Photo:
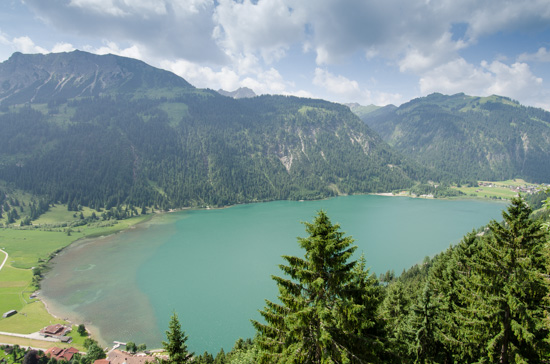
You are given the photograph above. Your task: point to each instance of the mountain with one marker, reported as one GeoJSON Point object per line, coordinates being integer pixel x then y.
{"type": "Point", "coordinates": [102, 131]}
{"type": "Point", "coordinates": [40, 78]}
{"type": "Point", "coordinates": [361, 110]}
{"type": "Point", "coordinates": [469, 138]}
{"type": "Point", "coordinates": [240, 93]}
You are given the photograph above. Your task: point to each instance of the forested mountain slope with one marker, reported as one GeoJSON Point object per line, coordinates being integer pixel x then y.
{"type": "Point", "coordinates": [470, 138]}
{"type": "Point", "coordinates": [106, 130]}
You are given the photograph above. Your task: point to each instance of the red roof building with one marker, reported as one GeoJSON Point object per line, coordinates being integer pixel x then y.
{"type": "Point", "coordinates": [121, 357]}
{"type": "Point", "coordinates": [58, 353]}
{"type": "Point", "coordinates": [55, 330]}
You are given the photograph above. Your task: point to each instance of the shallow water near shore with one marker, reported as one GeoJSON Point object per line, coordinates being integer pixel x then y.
{"type": "Point", "coordinates": [214, 267]}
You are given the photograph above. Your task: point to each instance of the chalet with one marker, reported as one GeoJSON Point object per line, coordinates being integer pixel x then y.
{"type": "Point", "coordinates": [61, 354]}
{"type": "Point", "coordinates": [120, 357]}
{"type": "Point", "coordinates": [57, 331]}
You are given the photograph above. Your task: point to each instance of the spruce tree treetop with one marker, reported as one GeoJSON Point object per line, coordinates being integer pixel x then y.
{"type": "Point", "coordinates": [504, 296]}
{"type": "Point", "coordinates": [322, 315]}
{"type": "Point", "coordinates": [175, 344]}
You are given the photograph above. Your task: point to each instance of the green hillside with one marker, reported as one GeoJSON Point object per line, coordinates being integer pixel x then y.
{"type": "Point", "coordinates": [469, 138]}
{"type": "Point", "coordinates": [145, 137]}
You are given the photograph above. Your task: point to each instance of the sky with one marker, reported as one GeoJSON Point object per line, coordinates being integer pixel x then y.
{"type": "Point", "coordinates": [365, 51]}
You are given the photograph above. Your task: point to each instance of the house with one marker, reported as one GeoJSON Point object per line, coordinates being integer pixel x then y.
{"type": "Point", "coordinates": [61, 354]}
{"type": "Point", "coordinates": [58, 331]}
{"type": "Point", "coordinates": [119, 357]}
{"type": "Point", "coordinates": [102, 361]}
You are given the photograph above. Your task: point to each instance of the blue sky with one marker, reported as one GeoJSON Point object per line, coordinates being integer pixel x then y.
{"type": "Point", "coordinates": [365, 51]}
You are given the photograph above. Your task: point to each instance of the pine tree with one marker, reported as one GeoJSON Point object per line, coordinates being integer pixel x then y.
{"type": "Point", "coordinates": [395, 312]}
{"type": "Point", "coordinates": [322, 318]}
{"type": "Point", "coordinates": [426, 326]}
{"type": "Point", "coordinates": [504, 311]}
{"type": "Point", "coordinates": [175, 346]}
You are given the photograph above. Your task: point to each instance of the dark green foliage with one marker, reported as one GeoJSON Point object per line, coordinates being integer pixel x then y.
{"type": "Point", "coordinates": [31, 357]}
{"type": "Point", "coordinates": [328, 306]}
{"type": "Point", "coordinates": [175, 344]}
{"type": "Point", "coordinates": [12, 216]}
{"type": "Point", "coordinates": [395, 310]}
{"type": "Point", "coordinates": [437, 191]}
{"type": "Point", "coordinates": [81, 330]}
{"type": "Point", "coordinates": [505, 291]}
{"type": "Point", "coordinates": [189, 147]}
{"type": "Point", "coordinates": [205, 358]}
{"type": "Point", "coordinates": [88, 342]}
{"type": "Point", "coordinates": [131, 347]}
{"type": "Point", "coordinates": [465, 138]}
{"type": "Point", "coordinates": [482, 301]}
{"type": "Point", "coordinates": [94, 353]}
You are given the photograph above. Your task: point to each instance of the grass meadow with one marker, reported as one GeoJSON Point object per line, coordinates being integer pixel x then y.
{"type": "Point", "coordinates": [30, 246]}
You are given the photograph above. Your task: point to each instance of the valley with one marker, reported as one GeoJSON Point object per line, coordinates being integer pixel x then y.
{"type": "Point", "coordinates": [96, 145]}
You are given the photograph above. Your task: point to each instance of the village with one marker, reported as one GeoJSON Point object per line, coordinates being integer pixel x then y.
{"type": "Point", "coordinates": [54, 354]}
{"type": "Point", "coordinates": [527, 189]}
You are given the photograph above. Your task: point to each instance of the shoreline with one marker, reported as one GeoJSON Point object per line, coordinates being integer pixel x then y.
{"type": "Point", "coordinates": [71, 317]}
{"type": "Point", "coordinates": [95, 332]}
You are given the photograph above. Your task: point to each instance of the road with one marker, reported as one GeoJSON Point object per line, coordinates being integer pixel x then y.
{"type": "Point", "coordinates": [5, 259]}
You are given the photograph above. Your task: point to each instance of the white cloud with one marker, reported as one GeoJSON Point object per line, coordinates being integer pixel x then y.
{"type": "Point", "coordinates": [26, 45]}
{"type": "Point", "coordinates": [63, 47]}
{"type": "Point", "coordinates": [267, 82]}
{"type": "Point", "coordinates": [515, 81]}
{"type": "Point", "coordinates": [343, 89]}
{"type": "Point", "coordinates": [4, 39]}
{"type": "Point", "coordinates": [339, 85]}
{"type": "Point", "coordinates": [121, 7]}
{"type": "Point", "coordinates": [542, 55]}
{"type": "Point", "coordinates": [201, 76]}
{"type": "Point", "coordinates": [443, 50]}
{"type": "Point", "coordinates": [170, 29]}
{"type": "Point", "coordinates": [105, 7]}
{"type": "Point", "coordinates": [267, 27]}
{"type": "Point", "coordinates": [489, 17]}
{"type": "Point", "coordinates": [453, 77]}
{"type": "Point", "coordinates": [262, 81]}
{"type": "Point", "coordinates": [385, 98]}
{"type": "Point", "coordinates": [113, 48]}
{"type": "Point", "coordinates": [299, 93]}
{"type": "Point", "coordinates": [232, 43]}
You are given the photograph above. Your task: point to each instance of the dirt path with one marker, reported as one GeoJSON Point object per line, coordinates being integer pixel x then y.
{"type": "Point", "coordinates": [5, 259]}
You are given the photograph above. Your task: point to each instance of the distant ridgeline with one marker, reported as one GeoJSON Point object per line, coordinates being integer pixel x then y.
{"type": "Point", "coordinates": [102, 131]}
{"type": "Point", "coordinates": [469, 138]}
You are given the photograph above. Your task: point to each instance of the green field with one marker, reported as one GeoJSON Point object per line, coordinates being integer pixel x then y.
{"type": "Point", "coordinates": [27, 248]}
{"type": "Point", "coordinates": [499, 190]}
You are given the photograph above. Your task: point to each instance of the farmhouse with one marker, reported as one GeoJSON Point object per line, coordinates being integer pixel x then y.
{"type": "Point", "coordinates": [58, 331]}
{"type": "Point", "coordinates": [61, 354]}
{"type": "Point", "coordinates": [120, 357]}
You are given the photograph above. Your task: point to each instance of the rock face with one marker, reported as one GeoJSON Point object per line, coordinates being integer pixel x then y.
{"type": "Point", "coordinates": [240, 93]}
{"type": "Point", "coordinates": [41, 78]}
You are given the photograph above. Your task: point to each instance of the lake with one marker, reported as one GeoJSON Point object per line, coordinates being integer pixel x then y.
{"type": "Point", "coordinates": [213, 267]}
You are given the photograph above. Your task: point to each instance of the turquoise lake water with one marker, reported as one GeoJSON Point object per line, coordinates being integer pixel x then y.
{"type": "Point", "coordinates": [214, 267]}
